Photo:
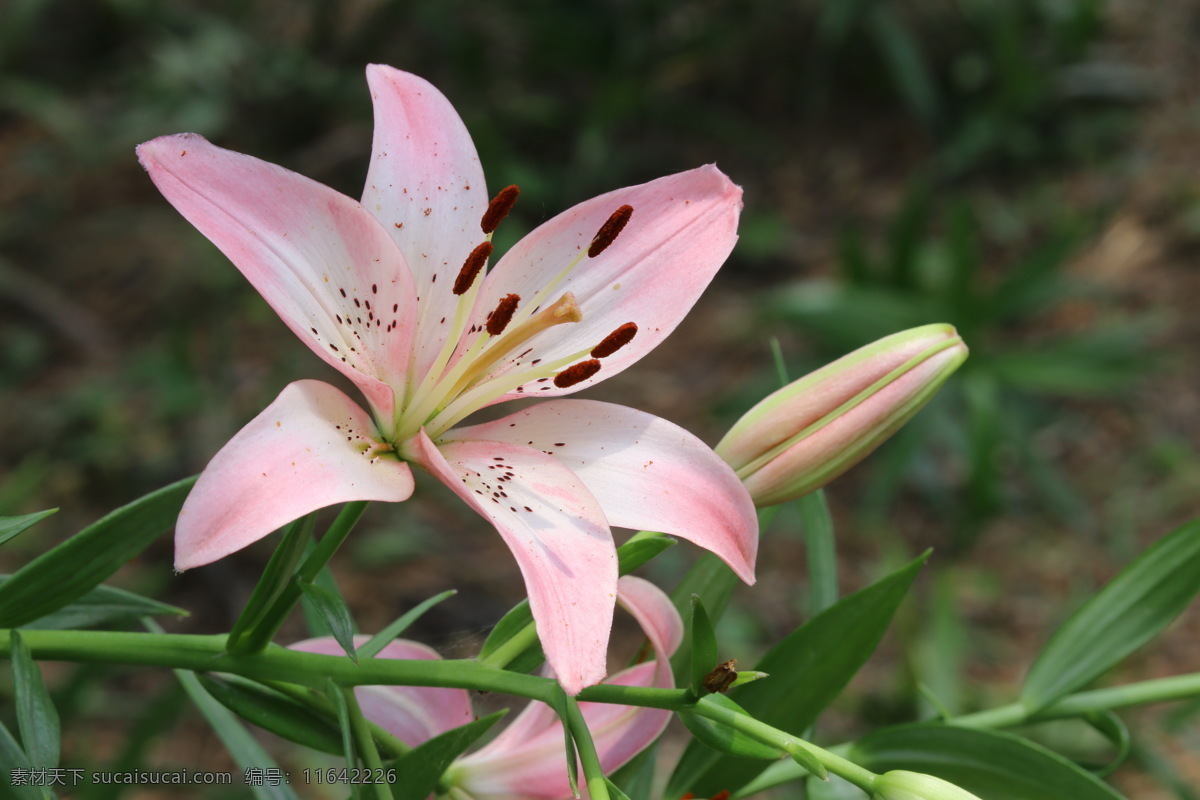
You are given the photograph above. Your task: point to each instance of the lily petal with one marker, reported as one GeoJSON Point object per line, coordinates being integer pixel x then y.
{"type": "Point", "coordinates": [527, 757]}
{"type": "Point", "coordinates": [304, 452]}
{"type": "Point", "coordinates": [682, 229]}
{"type": "Point", "coordinates": [647, 473]}
{"type": "Point", "coordinates": [324, 263]}
{"type": "Point", "coordinates": [426, 186]}
{"type": "Point", "coordinates": [557, 533]}
{"type": "Point", "coordinates": [413, 714]}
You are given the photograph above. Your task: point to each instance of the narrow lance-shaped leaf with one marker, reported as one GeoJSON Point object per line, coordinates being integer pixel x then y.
{"type": "Point", "coordinates": [103, 605]}
{"type": "Point", "coordinates": [84, 561]}
{"type": "Point", "coordinates": [247, 753]}
{"type": "Point", "coordinates": [36, 715]}
{"type": "Point", "coordinates": [381, 639]}
{"type": "Point", "coordinates": [274, 712]}
{"type": "Point", "coordinates": [704, 646]}
{"type": "Point", "coordinates": [1142, 600]}
{"type": "Point", "coordinates": [12, 758]}
{"type": "Point", "coordinates": [423, 766]}
{"type": "Point", "coordinates": [993, 765]}
{"type": "Point", "coordinates": [14, 526]}
{"type": "Point", "coordinates": [254, 624]}
{"type": "Point", "coordinates": [336, 616]}
{"type": "Point", "coordinates": [723, 738]}
{"type": "Point", "coordinates": [807, 671]}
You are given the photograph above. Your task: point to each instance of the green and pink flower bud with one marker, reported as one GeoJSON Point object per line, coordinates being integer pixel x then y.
{"type": "Point", "coordinates": [808, 433]}
{"type": "Point", "coordinates": [904, 785]}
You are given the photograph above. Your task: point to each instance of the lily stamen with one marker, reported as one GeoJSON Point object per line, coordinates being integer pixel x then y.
{"type": "Point", "coordinates": [609, 230]}
{"type": "Point", "coordinates": [472, 267]}
{"type": "Point", "coordinates": [577, 373]}
{"type": "Point", "coordinates": [615, 340]}
{"type": "Point", "coordinates": [498, 320]}
{"type": "Point", "coordinates": [498, 209]}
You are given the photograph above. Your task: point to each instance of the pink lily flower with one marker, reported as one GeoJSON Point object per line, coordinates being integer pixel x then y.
{"type": "Point", "coordinates": [392, 293]}
{"type": "Point", "coordinates": [527, 759]}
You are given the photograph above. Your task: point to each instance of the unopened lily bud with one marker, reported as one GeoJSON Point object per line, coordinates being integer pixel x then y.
{"type": "Point", "coordinates": [903, 785]}
{"type": "Point", "coordinates": [811, 431]}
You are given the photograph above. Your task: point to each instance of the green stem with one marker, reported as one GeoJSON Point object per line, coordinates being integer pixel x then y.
{"type": "Point", "coordinates": [365, 743]}
{"type": "Point", "coordinates": [207, 654]}
{"type": "Point", "coordinates": [1159, 690]}
{"type": "Point", "coordinates": [588, 757]}
{"type": "Point", "coordinates": [843, 768]}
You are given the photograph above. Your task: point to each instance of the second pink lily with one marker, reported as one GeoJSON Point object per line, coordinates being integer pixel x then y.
{"type": "Point", "coordinates": [393, 292]}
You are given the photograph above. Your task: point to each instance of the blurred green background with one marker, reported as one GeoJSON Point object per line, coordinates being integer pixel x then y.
{"type": "Point", "coordinates": [1024, 169]}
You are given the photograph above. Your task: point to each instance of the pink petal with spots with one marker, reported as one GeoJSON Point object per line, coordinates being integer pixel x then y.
{"type": "Point", "coordinates": [304, 452]}
{"type": "Point", "coordinates": [413, 714]}
{"type": "Point", "coordinates": [682, 229]}
{"type": "Point", "coordinates": [647, 473]}
{"type": "Point", "coordinates": [426, 186]}
{"type": "Point", "coordinates": [526, 759]}
{"type": "Point", "coordinates": [325, 265]}
{"type": "Point", "coordinates": [557, 533]}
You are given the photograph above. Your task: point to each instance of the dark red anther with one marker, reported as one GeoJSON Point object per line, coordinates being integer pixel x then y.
{"type": "Point", "coordinates": [470, 268]}
{"type": "Point", "coordinates": [721, 795]}
{"type": "Point", "coordinates": [498, 320]}
{"type": "Point", "coordinates": [576, 373]}
{"type": "Point", "coordinates": [498, 209]}
{"type": "Point", "coordinates": [609, 230]}
{"type": "Point", "coordinates": [615, 340]}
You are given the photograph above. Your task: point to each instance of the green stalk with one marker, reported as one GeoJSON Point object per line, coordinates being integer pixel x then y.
{"type": "Point", "coordinates": [207, 654]}
{"type": "Point", "coordinates": [365, 743]}
{"type": "Point", "coordinates": [588, 757]}
{"type": "Point", "coordinates": [843, 768]}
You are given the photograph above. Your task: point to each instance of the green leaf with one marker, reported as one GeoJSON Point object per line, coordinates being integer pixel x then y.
{"type": "Point", "coordinates": [640, 548]}
{"type": "Point", "coordinates": [704, 646]}
{"type": "Point", "coordinates": [808, 669]}
{"type": "Point", "coordinates": [13, 758]}
{"type": "Point", "coordinates": [349, 751]}
{"type": "Point", "coordinates": [713, 582]}
{"type": "Point", "coordinates": [806, 760]}
{"type": "Point", "coordinates": [87, 559]}
{"type": "Point", "coordinates": [993, 765]}
{"type": "Point", "coordinates": [723, 738]}
{"type": "Point", "coordinates": [101, 606]}
{"type": "Point", "coordinates": [572, 753]}
{"type": "Point", "coordinates": [274, 712]}
{"type": "Point", "coordinates": [1111, 727]}
{"type": "Point", "coordinates": [253, 629]}
{"type": "Point", "coordinates": [14, 526]}
{"type": "Point", "coordinates": [385, 636]}
{"type": "Point", "coordinates": [247, 753]}
{"type": "Point", "coordinates": [515, 621]}
{"type": "Point", "coordinates": [333, 611]}
{"type": "Point", "coordinates": [614, 792]}
{"type": "Point", "coordinates": [1137, 604]}
{"type": "Point", "coordinates": [36, 717]}
{"type": "Point", "coordinates": [423, 766]}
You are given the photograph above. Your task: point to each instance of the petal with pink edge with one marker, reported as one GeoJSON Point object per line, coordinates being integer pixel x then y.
{"type": "Point", "coordinates": [647, 473]}
{"type": "Point", "coordinates": [682, 229]}
{"type": "Point", "coordinates": [317, 257]}
{"type": "Point", "coordinates": [426, 186]}
{"type": "Point", "coordinates": [413, 714]}
{"type": "Point", "coordinates": [527, 756]}
{"type": "Point", "coordinates": [557, 533]}
{"type": "Point", "coordinates": [307, 450]}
